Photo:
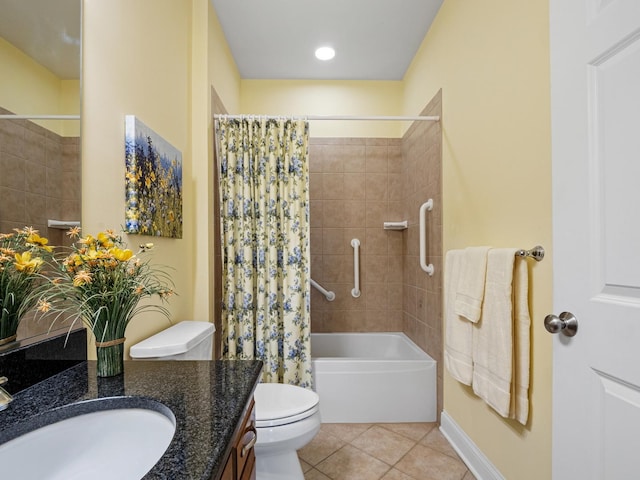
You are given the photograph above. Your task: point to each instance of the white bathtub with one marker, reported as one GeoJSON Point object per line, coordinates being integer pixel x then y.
{"type": "Point", "coordinates": [373, 378]}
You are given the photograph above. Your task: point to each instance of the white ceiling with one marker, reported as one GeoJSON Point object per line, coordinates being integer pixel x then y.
{"type": "Point", "coordinates": [373, 39]}
{"type": "Point", "coordinates": [47, 30]}
{"type": "Point", "coordinates": [269, 39]}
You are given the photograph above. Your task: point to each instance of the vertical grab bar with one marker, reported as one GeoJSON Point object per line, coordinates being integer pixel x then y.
{"type": "Point", "coordinates": [428, 205]}
{"type": "Point", "coordinates": [355, 243]}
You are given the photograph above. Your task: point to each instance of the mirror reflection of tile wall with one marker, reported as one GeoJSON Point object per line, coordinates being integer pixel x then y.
{"type": "Point", "coordinates": [39, 180]}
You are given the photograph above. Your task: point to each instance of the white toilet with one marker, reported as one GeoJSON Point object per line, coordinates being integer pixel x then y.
{"type": "Point", "coordinates": [188, 340]}
{"type": "Point", "coordinates": [287, 417]}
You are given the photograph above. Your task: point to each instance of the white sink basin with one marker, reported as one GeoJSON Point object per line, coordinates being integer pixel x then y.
{"type": "Point", "coordinates": [122, 443]}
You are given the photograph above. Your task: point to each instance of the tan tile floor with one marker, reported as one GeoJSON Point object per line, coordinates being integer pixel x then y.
{"type": "Point", "coordinates": [381, 451]}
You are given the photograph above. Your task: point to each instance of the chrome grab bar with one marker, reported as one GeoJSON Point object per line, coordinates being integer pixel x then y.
{"type": "Point", "coordinates": [328, 294]}
{"type": "Point", "coordinates": [428, 205]}
{"type": "Point", "coordinates": [355, 292]}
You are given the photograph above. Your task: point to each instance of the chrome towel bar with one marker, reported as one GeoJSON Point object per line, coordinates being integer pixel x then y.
{"type": "Point", "coordinates": [537, 253]}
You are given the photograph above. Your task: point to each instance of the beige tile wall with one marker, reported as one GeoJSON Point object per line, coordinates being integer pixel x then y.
{"type": "Point", "coordinates": [422, 180]}
{"type": "Point", "coordinates": [355, 186]}
{"type": "Point", "coordinates": [39, 180]}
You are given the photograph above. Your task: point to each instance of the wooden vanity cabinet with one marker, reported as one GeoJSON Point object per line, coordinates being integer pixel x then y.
{"type": "Point", "coordinates": [241, 464]}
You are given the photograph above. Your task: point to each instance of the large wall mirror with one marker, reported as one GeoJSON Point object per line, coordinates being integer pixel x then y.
{"type": "Point", "coordinates": [40, 180]}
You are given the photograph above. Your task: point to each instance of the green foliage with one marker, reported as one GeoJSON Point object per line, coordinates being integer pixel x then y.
{"type": "Point", "coordinates": [101, 282]}
{"type": "Point", "coordinates": [22, 254]}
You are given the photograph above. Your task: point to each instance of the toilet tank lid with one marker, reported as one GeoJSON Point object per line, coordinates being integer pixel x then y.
{"type": "Point", "coordinates": [175, 340]}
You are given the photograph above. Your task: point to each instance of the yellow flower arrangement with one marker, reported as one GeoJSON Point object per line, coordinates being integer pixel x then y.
{"type": "Point", "coordinates": [101, 282]}
{"type": "Point", "coordinates": [22, 254]}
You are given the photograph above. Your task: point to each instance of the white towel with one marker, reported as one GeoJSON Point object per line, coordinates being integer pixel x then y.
{"type": "Point", "coordinates": [522, 343]}
{"type": "Point", "coordinates": [501, 338]}
{"type": "Point", "coordinates": [458, 331]}
{"type": "Point", "coordinates": [470, 292]}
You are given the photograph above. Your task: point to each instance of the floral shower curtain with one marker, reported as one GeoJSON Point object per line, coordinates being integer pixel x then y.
{"type": "Point", "coordinates": [264, 215]}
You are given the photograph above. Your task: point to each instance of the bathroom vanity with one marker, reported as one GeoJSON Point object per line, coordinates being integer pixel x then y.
{"type": "Point", "coordinates": [241, 463]}
{"type": "Point", "coordinates": [212, 402]}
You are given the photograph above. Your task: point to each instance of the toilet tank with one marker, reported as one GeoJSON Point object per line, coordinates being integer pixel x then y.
{"type": "Point", "coordinates": [187, 340]}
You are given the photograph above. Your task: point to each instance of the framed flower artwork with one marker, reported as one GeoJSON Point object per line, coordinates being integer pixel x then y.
{"type": "Point", "coordinates": [153, 182]}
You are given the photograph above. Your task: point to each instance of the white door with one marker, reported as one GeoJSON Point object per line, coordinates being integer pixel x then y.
{"type": "Point", "coordinates": [595, 106]}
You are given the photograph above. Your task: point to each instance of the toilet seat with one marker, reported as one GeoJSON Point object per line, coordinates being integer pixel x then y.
{"type": "Point", "coordinates": [281, 404]}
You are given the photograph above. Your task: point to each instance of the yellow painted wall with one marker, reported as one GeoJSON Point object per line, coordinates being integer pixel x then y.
{"type": "Point", "coordinates": [131, 68]}
{"type": "Point", "coordinates": [70, 105]}
{"type": "Point", "coordinates": [305, 97]}
{"type": "Point", "coordinates": [27, 87]}
{"type": "Point", "coordinates": [491, 59]}
{"type": "Point", "coordinates": [223, 72]}
{"type": "Point", "coordinates": [223, 76]}
{"type": "Point", "coordinates": [201, 181]}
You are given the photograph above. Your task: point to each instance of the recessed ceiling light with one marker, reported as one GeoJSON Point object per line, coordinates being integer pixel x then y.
{"type": "Point", "coordinates": [325, 53]}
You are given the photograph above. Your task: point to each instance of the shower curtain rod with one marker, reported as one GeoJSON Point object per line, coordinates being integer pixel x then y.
{"type": "Point", "coordinates": [431, 118]}
{"type": "Point", "coordinates": [39, 117]}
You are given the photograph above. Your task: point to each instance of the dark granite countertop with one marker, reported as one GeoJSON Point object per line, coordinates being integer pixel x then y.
{"type": "Point", "coordinates": [208, 400]}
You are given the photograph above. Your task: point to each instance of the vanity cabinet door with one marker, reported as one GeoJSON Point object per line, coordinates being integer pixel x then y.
{"type": "Point", "coordinates": [227, 474]}
{"type": "Point", "coordinates": [241, 464]}
{"type": "Point", "coordinates": [245, 454]}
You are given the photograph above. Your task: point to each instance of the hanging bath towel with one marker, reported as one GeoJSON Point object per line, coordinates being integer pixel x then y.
{"type": "Point", "coordinates": [470, 294]}
{"type": "Point", "coordinates": [501, 337]}
{"type": "Point", "coordinates": [458, 331]}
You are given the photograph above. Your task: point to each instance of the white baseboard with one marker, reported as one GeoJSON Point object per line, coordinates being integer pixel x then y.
{"type": "Point", "coordinates": [476, 461]}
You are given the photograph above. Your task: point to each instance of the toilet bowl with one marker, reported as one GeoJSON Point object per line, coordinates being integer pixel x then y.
{"type": "Point", "coordinates": [287, 416]}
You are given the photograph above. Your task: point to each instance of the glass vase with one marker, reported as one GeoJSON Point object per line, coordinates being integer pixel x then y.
{"type": "Point", "coordinates": [8, 326]}
{"type": "Point", "coordinates": [110, 359]}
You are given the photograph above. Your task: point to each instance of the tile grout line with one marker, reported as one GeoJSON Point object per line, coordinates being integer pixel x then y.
{"type": "Point", "coordinates": [414, 443]}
